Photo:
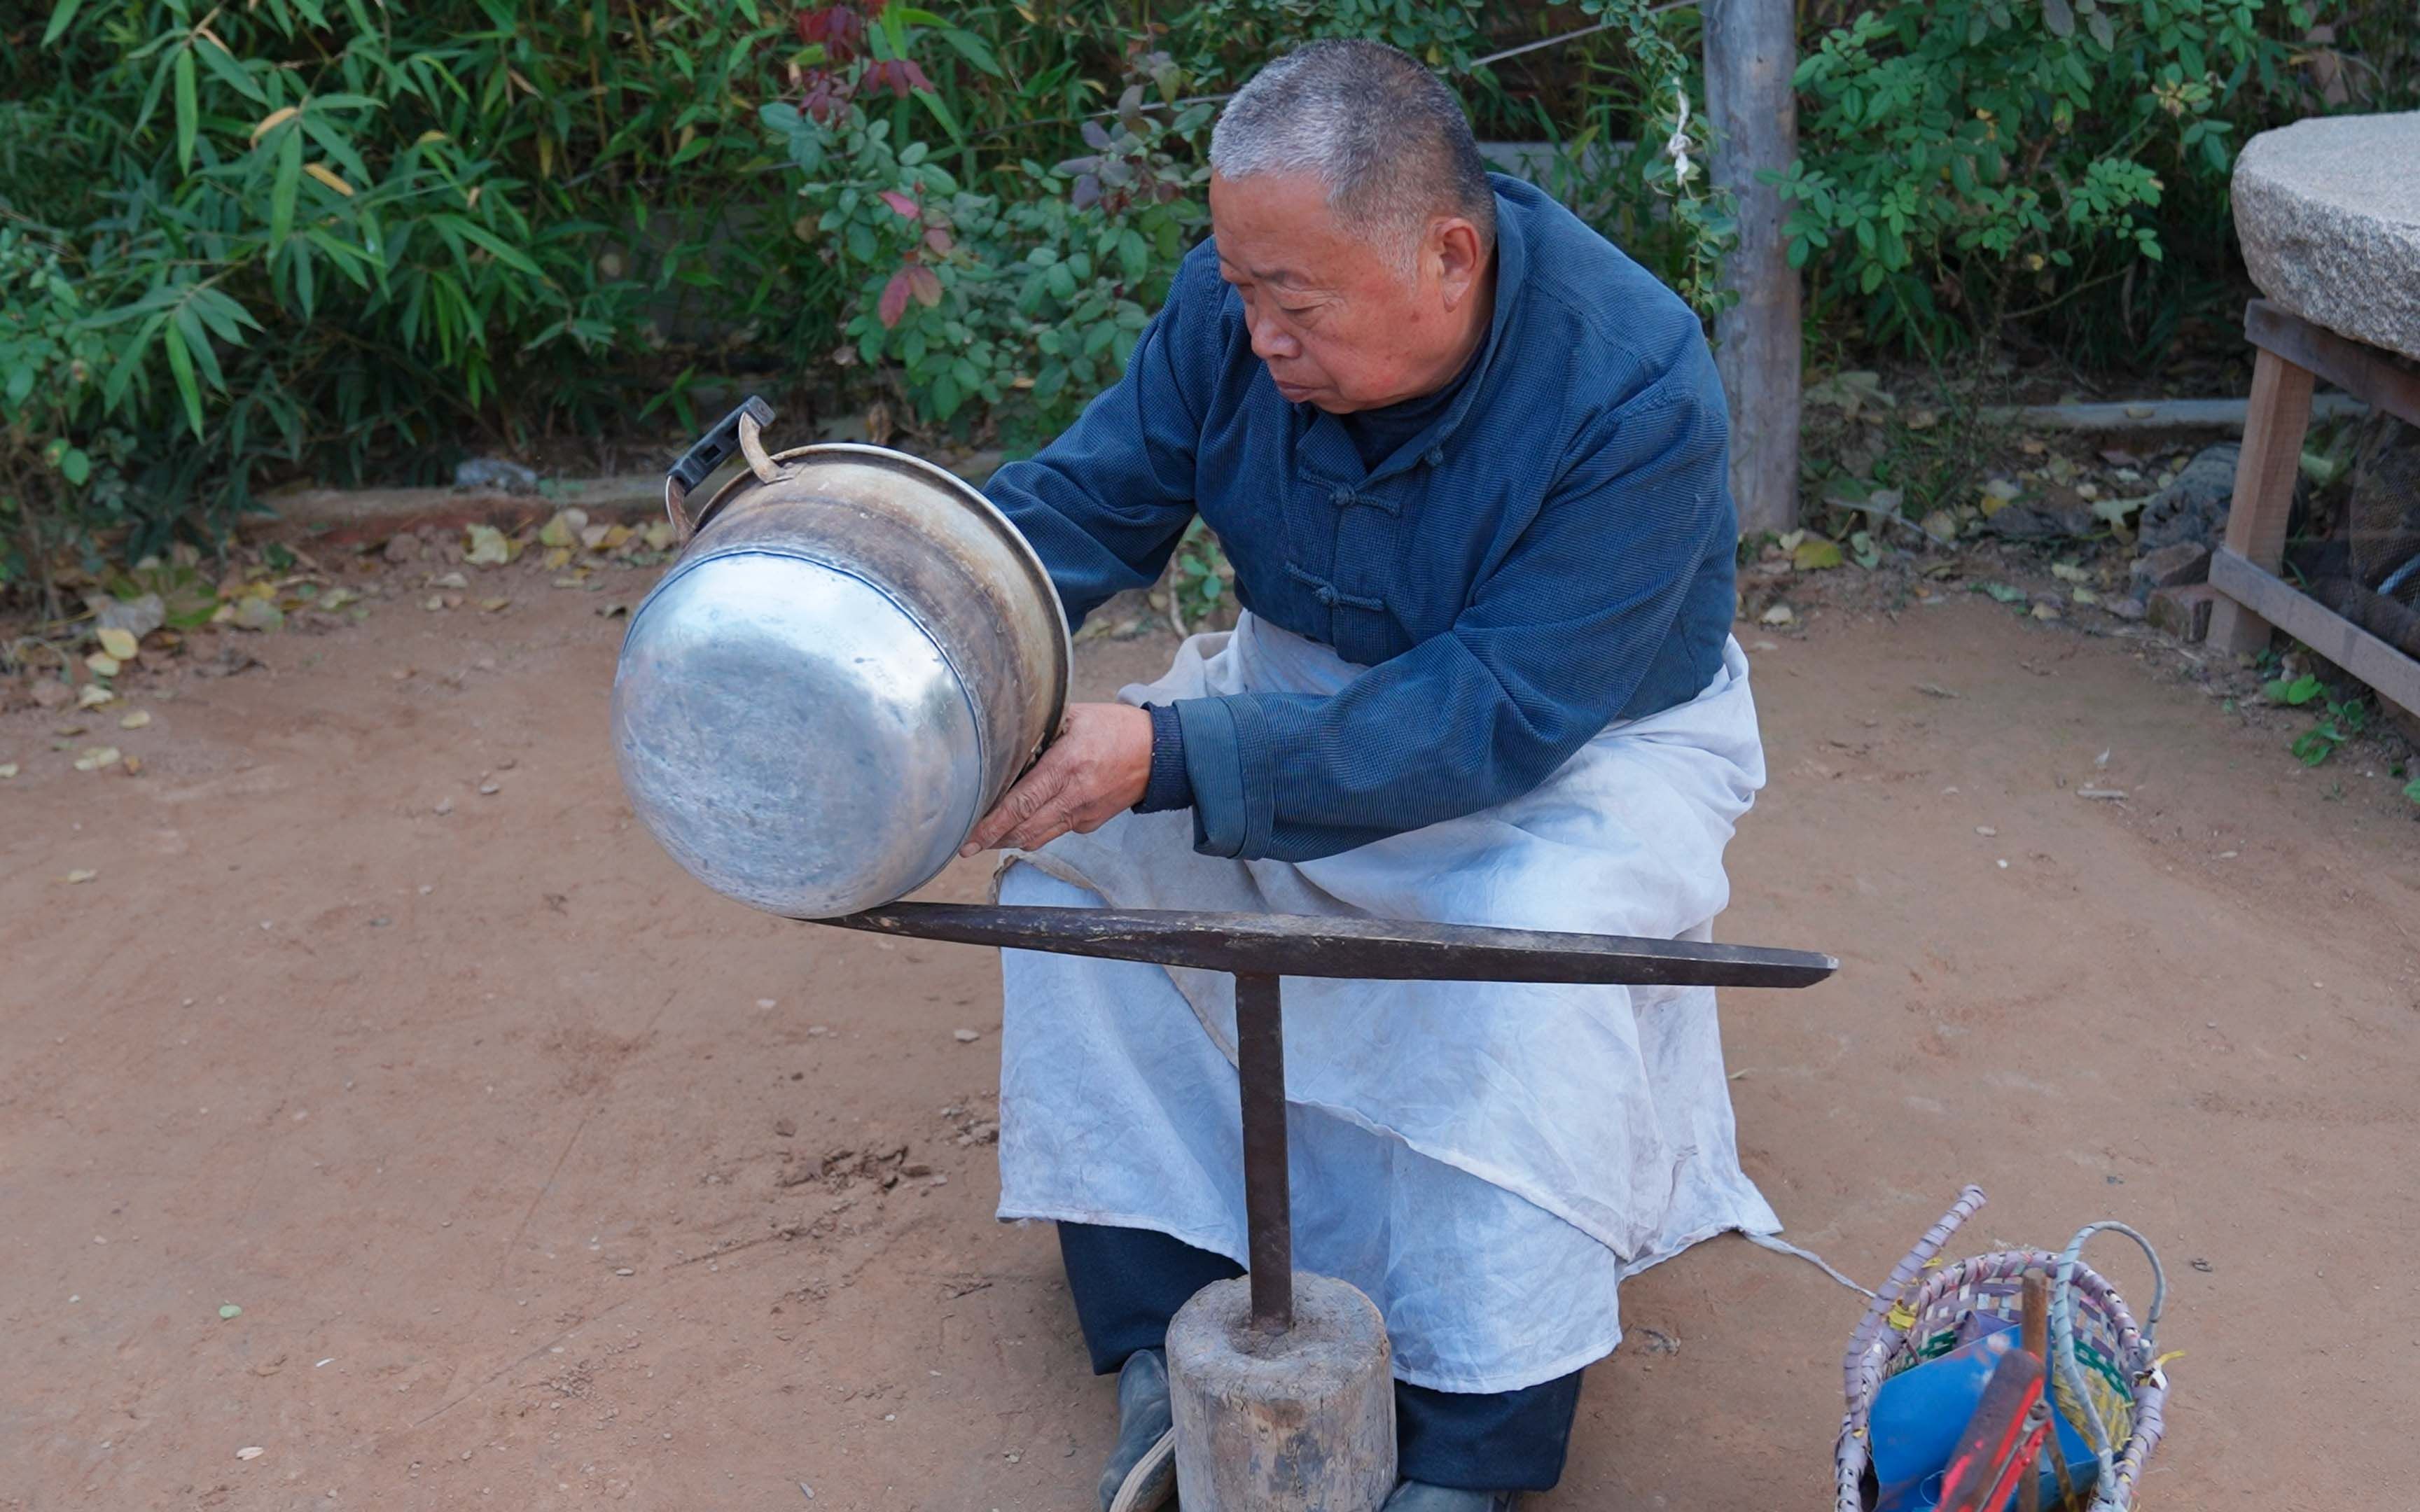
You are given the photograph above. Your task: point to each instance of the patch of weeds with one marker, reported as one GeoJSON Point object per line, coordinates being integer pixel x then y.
{"type": "Point", "coordinates": [2343, 721]}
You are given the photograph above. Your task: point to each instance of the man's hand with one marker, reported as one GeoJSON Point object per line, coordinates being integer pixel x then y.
{"type": "Point", "coordinates": [1096, 770]}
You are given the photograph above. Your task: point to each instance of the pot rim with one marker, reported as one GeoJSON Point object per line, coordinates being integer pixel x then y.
{"type": "Point", "coordinates": [1061, 640]}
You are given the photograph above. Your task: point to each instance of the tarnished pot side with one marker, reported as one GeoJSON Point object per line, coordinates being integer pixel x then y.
{"type": "Point", "coordinates": [847, 668]}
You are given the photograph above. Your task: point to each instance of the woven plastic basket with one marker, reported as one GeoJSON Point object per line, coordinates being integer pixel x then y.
{"type": "Point", "coordinates": [2104, 1368]}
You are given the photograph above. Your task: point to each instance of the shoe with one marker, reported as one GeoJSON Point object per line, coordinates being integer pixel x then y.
{"type": "Point", "coordinates": [1141, 1469]}
{"type": "Point", "coordinates": [1412, 1496]}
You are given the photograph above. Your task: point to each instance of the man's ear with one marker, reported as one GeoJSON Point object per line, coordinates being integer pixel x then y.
{"type": "Point", "coordinates": [1460, 257]}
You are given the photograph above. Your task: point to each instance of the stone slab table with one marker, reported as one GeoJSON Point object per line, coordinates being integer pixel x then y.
{"type": "Point", "coordinates": [2328, 212]}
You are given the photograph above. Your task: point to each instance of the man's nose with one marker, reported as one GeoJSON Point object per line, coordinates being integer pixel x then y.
{"type": "Point", "coordinates": [1272, 343]}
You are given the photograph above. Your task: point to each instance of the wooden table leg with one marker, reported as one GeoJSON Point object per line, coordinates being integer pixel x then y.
{"type": "Point", "coordinates": [2279, 413]}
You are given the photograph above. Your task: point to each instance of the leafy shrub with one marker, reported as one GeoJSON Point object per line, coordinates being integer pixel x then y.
{"type": "Point", "coordinates": [335, 238]}
{"type": "Point", "coordinates": [1969, 163]}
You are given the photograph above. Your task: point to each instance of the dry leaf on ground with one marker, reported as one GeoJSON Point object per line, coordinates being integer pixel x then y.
{"type": "Point", "coordinates": [117, 643]}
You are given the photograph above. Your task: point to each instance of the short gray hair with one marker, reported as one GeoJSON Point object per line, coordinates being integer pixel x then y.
{"type": "Point", "coordinates": [1386, 135]}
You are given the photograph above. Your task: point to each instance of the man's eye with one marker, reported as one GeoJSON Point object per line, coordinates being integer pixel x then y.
{"type": "Point", "coordinates": [1297, 309]}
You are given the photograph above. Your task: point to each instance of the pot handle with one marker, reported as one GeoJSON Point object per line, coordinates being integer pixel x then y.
{"type": "Point", "coordinates": [735, 432]}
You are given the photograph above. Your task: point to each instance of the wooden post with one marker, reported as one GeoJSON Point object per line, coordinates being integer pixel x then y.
{"type": "Point", "coordinates": [1302, 1421]}
{"type": "Point", "coordinates": [1750, 54]}
{"type": "Point", "coordinates": [2264, 491]}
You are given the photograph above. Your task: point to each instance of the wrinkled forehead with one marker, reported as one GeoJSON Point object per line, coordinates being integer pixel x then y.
{"type": "Point", "coordinates": [1279, 229]}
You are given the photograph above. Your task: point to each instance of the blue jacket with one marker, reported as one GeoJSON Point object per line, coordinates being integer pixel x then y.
{"type": "Point", "coordinates": [1553, 554]}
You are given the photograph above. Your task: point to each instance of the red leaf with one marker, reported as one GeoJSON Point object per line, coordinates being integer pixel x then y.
{"type": "Point", "coordinates": [900, 201]}
{"type": "Point", "coordinates": [938, 240]}
{"type": "Point", "coordinates": [894, 299]}
{"type": "Point", "coordinates": [926, 284]}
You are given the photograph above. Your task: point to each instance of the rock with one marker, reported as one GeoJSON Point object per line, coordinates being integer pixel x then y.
{"type": "Point", "coordinates": [2192, 507]}
{"type": "Point", "coordinates": [50, 693]}
{"type": "Point", "coordinates": [137, 617]}
{"type": "Point", "coordinates": [2330, 224]}
{"type": "Point", "coordinates": [2173, 565]}
{"type": "Point", "coordinates": [401, 549]}
{"type": "Point", "coordinates": [494, 474]}
{"type": "Point", "coordinates": [2183, 613]}
{"type": "Point", "coordinates": [2384, 508]}
{"type": "Point", "coordinates": [2126, 609]}
{"type": "Point", "coordinates": [2039, 522]}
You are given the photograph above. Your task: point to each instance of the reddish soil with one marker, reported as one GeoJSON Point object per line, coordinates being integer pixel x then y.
{"type": "Point", "coordinates": [543, 1178]}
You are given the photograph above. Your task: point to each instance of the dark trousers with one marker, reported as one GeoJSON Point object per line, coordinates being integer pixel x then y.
{"type": "Point", "coordinates": [1129, 1282]}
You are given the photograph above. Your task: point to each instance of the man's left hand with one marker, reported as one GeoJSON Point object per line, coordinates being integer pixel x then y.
{"type": "Point", "coordinates": [1096, 771]}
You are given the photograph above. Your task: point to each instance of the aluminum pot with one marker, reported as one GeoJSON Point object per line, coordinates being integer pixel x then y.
{"type": "Point", "coordinates": [852, 659]}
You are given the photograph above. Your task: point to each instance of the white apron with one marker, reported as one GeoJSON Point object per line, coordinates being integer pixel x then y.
{"type": "Point", "coordinates": [1486, 1161]}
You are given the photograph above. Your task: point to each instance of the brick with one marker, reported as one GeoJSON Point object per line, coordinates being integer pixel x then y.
{"type": "Point", "coordinates": [2174, 565]}
{"type": "Point", "coordinates": [2183, 612]}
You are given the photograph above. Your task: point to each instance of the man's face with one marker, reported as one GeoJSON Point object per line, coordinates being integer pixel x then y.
{"type": "Point", "coordinates": [1341, 324]}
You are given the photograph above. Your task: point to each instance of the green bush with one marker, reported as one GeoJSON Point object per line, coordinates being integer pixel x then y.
{"type": "Point", "coordinates": [339, 239]}
{"type": "Point", "coordinates": [1969, 166]}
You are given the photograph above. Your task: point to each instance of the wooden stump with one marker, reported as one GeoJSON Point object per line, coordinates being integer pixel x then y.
{"type": "Point", "coordinates": [1302, 1421]}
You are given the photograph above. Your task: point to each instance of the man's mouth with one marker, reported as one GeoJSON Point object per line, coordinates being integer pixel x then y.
{"type": "Point", "coordinates": [1291, 393]}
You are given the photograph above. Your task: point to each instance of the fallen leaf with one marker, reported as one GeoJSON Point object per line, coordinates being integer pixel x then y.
{"type": "Point", "coordinates": [135, 766]}
{"type": "Point", "coordinates": [228, 1309]}
{"type": "Point", "coordinates": [449, 579]}
{"type": "Point", "coordinates": [965, 1036]}
{"type": "Point", "coordinates": [571, 581]}
{"type": "Point", "coordinates": [563, 530]}
{"type": "Point", "coordinates": [660, 535]}
{"type": "Point", "coordinates": [433, 603]}
{"type": "Point", "coordinates": [491, 605]}
{"type": "Point", "coordinates": [2084, 596]}
{"type": "Point", "coordinates": [81, 874]}
{"type": "Point", "coordinates": [2003, 594]}
{"type": "Point", "coordinates": [134, 720]}
{"type": "Point", "coordinates": [2068, 572]}
{"type": "Point", "coordinates": [117, 643]}
{"type": "Point", "coordinates": [2030, 446]}
{"type": "Point", "coordinates": [593, 538]}
{"type": "Point", "coordinates": [1816, 555]}
{"type": "Point", "coordinates": [618, 536]}
{"type": "Point", "coordinates": [77, 729]}
{"type": "Point", "coordinates": [256, 614]}
{"type": "Point", "coordinates": [613, 612]}
{"type": "Point", "coordinates": [92, 696]}
{"type": "Point", "coordinates": [489, 788]}
{"type": "Point", "coordinates": [97, 757]}
{"type": "Point", "coordinates": [250, 1452]}
{"type": "Point", "coordinates": [1778, 614]}
{"type": "Point", "coordinates": [1922, 419]}
{"type": "Point", "coordinates": [489, 546]}
{"type": "Point", "coordinates": [1936, 690]}
{"type": "Point", "coordinates": [1788, 540]}
{"type": "Point", "coordinates": [558, 559]}
{"type": "Point", "coordinates": [7, 770]}
{"type": "Point", "coordinates": [103, 664]}
{"type": "Point", "coordinates": [2046, 612]}
{"type": "Point", "coordinates": [1941, 525]}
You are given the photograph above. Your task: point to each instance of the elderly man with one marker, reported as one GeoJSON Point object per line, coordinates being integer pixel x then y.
{"type": "Point", "coordinates": [1467, 461]}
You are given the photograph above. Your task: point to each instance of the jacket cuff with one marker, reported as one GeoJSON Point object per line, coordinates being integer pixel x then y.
{"type": "Point", "coordinates": [1226, 757]}
{"type": "Point", "coordinates": [1169, 787]}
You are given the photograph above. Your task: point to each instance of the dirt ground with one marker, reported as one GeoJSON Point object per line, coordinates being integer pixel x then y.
{"type": "Point", "coordinates": [543, 1178]}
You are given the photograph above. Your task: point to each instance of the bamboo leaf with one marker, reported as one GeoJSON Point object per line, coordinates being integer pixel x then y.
{"type": "Point", "coordinates": [941, 112]}
{"type": "Point", "coordinates": [189, 109]}
{"type": "Point", "coordinates": [181, 362]}
{"type": "Point", "coordinates": [327, 177]}
{"type": "Point", "coordinates": [281, 192]}
{"type": "Point", "coordinates": [505, 252]}
{"type": "Point", "coordinates": [61, 16]}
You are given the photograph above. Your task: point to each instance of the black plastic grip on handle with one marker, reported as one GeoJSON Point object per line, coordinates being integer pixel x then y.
{"type": "Point", "coordinates": [714, 447]}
